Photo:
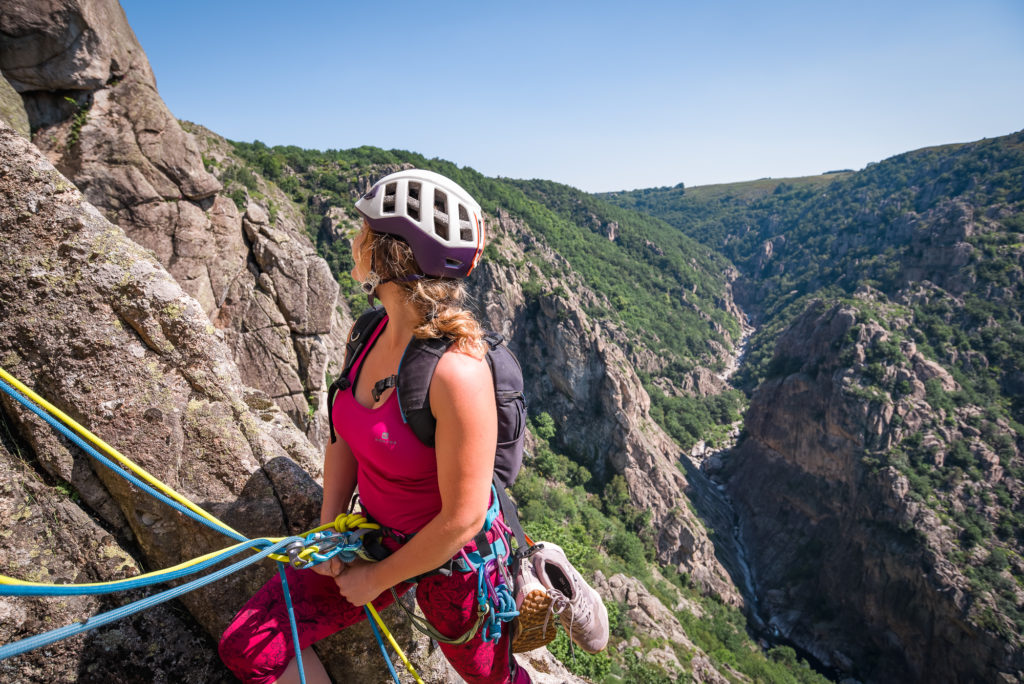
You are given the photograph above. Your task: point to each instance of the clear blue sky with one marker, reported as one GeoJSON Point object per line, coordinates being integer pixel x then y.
{"type": "Point", "coordinates": [599, 95]}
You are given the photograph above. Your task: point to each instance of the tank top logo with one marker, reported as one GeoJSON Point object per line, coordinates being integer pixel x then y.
{"type": "Point", "coordinates": [383, 437]}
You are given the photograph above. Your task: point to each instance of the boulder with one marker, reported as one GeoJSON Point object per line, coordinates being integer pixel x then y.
{"type": "Point", "coordinates": [12, 109]}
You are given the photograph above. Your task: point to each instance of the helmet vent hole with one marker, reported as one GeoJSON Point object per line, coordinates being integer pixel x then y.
{"type": "Point", "coordinates": [452, 263]}
{"type": "Point", "coordinates": [441, 220]}
{"type": "Point", "coordinates": [389, 198]}
{"type": "Point", "coordinates": [412, 202]}
{"type": "Point", "coordinates": [465, 227]}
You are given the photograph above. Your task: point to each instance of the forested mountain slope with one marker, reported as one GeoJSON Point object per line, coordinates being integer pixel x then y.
{"type": "Point", "coordinates": [882, 451]}
{"type": "Point", "coordinates": [949, 215]}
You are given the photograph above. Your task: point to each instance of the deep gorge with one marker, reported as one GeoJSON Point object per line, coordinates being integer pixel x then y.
{"type": "Point", "coordinates": [188, 297]}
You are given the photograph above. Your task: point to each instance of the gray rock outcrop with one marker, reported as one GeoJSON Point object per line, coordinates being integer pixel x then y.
{"type": "Point", "coordinates": [846, 562]}
{"type": "Point", "coordinates": [92, 102]}
{"type": "Point", "coordinates": [646, 614]}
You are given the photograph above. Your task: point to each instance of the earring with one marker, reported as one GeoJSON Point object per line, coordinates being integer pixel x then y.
{"type": "Point", "coordinates": [369, 285]}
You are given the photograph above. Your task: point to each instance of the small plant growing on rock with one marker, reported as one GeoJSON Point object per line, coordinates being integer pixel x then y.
{"type": "Point", "coordinates": [78, 119]}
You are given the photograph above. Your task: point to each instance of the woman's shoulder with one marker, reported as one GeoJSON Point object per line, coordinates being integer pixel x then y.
{"type": "Point", "coordinates": [462, 388]}
{"type": "Point", "coordinates": [457, 371]}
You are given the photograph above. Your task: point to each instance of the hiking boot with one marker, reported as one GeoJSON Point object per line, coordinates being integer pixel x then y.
{"type": "Point", "coordinates": [536, 625]}
{"type": "Point", "coordinates": [581, 609]}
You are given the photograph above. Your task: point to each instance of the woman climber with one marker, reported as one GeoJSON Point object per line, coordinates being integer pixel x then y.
{"type": "Point", "coordinates": [421, 234]}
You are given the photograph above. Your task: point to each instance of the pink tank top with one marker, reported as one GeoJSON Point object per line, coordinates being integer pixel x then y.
{"type": "Point", "coordinates": [396, 473]}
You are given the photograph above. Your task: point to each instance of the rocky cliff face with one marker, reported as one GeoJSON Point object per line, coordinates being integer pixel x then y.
{"type": "Point", "coordinates": [94, 109]}
{"type": "Point", "coordinates": [850, 562]}
{"type": "Point", "coordinates": [93, 322]}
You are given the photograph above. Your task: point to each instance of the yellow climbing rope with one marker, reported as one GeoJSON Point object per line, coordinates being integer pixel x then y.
{"type": "Point", "coordinates": [110, 451]}
{"type": "Point", "coordinates": [394, 644]}
{"type": "Point", "coordinates": [341, 524]}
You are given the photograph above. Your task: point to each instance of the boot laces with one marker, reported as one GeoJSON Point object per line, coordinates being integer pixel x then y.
{"type": "Point", "coordinates": [581, 609]}
{"type": "Point", "coordinates": [559, 602]}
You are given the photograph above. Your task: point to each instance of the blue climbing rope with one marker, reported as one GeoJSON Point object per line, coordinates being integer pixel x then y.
{"type": "Point", "coordinates": [39, 589]}
{"type": "Point", "coordinates": [303, 552]}
{"type": "Point", "coordinates": [380, 642]}
{"type": "Point", "coordinates": [39, 640]}
{"type": "Point", "coordinates": [291, 621]}
{"type": "Point", "coordinates": [14, 394]}
{"type": "Point", "coordinates": [46, 638]}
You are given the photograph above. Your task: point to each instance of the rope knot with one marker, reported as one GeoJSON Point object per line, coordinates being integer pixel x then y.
{"type": "Point", "coordinates": [351, 521]}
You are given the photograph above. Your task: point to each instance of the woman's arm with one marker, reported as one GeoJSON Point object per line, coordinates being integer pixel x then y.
{"type": "Point", "coordinates": [462, 400]}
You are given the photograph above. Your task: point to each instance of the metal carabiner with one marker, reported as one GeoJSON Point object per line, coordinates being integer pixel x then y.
{"type": "Point", "coordinates": [293, 550]}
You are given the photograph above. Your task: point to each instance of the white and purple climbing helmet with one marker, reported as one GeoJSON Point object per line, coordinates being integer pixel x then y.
{"type": "Point", "coordinates": [443, 225]}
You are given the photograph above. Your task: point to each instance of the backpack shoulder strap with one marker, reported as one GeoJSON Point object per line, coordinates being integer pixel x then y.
{"type": "Point", "coordinates": [414, 375]}
{"type": "Point", "coordinates": [415, 371]}
{"type": "Point", "coordinates": [361, 331]}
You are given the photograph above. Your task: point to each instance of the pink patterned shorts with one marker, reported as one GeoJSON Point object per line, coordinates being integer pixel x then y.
{"type": "Point", "coordinates": [257, 645]}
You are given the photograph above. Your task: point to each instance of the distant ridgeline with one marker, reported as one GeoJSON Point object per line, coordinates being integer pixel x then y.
{"type": "Point", "coordinates": [891, 227]}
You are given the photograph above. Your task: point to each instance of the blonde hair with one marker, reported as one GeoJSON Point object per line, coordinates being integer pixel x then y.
{"type": "Point", "coordinates": [439, 301]}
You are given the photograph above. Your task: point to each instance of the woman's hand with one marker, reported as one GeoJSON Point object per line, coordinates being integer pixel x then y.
{"type": "Point", "coordinates": [357, 583]}
{"type": "Point", "coordinates": [332, 567]}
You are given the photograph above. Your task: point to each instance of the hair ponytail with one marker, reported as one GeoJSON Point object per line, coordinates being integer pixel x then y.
{"type": "Point", "coordinates": [441, 304]}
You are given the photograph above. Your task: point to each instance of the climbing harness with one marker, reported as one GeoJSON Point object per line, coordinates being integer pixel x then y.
{"type": "Point", "coordinates": [495, 598]}
{"type": "Point", "coordinates": [341, 538]}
